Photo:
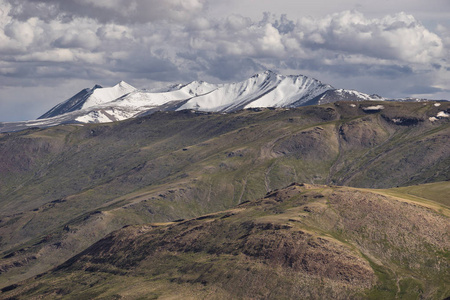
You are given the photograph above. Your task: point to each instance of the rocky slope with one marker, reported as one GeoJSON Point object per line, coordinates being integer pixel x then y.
{"type": "Point", "coordinates": [65, 187]}
{"type": "Point", "coordinates": [303, 241]}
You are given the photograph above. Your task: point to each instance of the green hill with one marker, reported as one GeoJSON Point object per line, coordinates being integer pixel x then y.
{"type": "Point", "coordinates": [66, 187]}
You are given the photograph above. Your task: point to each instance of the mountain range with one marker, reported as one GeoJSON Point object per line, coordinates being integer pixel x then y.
{"type": "Point", "coordinates": [123, 101]}
{"type": "Point", "coordinates": [200, 191]}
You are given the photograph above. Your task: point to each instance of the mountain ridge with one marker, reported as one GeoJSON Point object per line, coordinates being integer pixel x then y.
{"type": "Point", "coordinates": [123, 101]}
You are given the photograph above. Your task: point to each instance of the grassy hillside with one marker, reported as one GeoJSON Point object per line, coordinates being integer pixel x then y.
{"type": "Point", "coordinates": [436, 191]}
{"type": "Point", "coordinates": [303, 241]}
{"type": "Point", "coordinates": [63, 188]}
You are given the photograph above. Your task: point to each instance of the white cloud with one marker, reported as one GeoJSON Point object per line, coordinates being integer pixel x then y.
{"type": "Point", "coordinates": [271, 41]}
{"type": "Point", "coordinates": [54, 55]}
{"type": "Point", "coordinates": [18, 36]}
{"type": "Point", "coordinates": [22, 32]}
{"type": "Point", "coordinates": [75, 39]}
{"type": "Point", "coordinates": [444, 33]}
{"type": "Point", "coordinates": [237, 23]}
{"type": "Point", "coordinates": [90, 58]}
{"type": "Point", "coordinates": [200, 23]}
{"type": "Point", "coordinates": [397, 37]}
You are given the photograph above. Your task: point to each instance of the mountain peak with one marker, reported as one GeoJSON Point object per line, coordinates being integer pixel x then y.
{"type": "Point", "coordinates": [123, 84]}
{"type": "Point", "coordinates": [270, 72]}
{"type": "Point", "coordinates": [266, 73]}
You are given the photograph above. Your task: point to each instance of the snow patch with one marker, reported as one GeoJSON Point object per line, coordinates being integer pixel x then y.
{"type": "Point", "coordinates": [443, 114]}
{"type": "Point", "coordinates": [373, 108]}
{"type": "Point", "coordinates": [437, 104]}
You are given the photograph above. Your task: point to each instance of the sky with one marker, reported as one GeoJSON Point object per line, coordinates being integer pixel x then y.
{"type": "Point", "coordinates": [52, 49]}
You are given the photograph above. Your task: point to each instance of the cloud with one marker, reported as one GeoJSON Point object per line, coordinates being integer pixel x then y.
{"type": "Point", "coordinates": [347, 37]}
{"type": "Point", "coordinates": [423, 90]}
{"type": "Point", "coordinates": [54, 55]}
{"type": "Point", "coordinates": [271, 43]}
{"type": "Point", "coordinates": [398, 37]}
{"type": "Point", "coordinates": [226, 68]}
{"type": "Point", "coordinates": [75, 39]}
{"type": "Point", "coordinates": [105, 11]}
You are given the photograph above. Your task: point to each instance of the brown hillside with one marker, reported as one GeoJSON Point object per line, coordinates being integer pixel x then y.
{"type": "Point", "coordinates": [303, 241]}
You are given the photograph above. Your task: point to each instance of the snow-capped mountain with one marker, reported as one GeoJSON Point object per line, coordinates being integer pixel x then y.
{"type": "Point", "coordinates": [89, 98]}
{"type": "Point", "coordinates": [346, 95]}
{"type": "Point", "coordinates": [123, 101]}
{"type": "Point", "coordinates": [261, 90]}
